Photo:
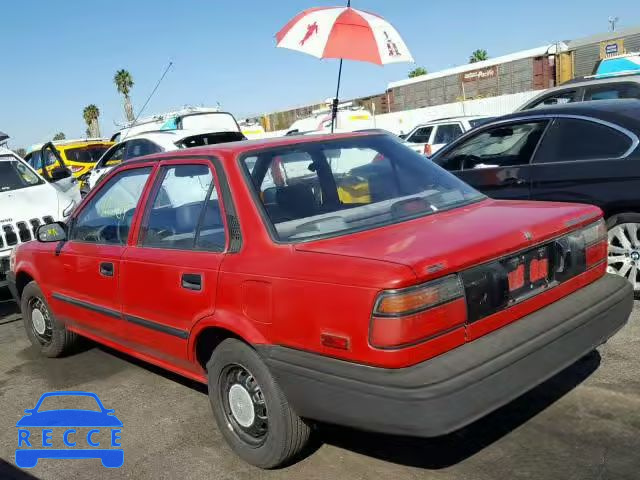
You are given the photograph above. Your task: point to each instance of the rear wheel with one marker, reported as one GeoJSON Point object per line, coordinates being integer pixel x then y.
{"type": "Point", "coordinates": [624, 247]}
{"type": "Point", "coordinates": [251, 411]}
{"type": "Point", "coordinates": [46, 334]}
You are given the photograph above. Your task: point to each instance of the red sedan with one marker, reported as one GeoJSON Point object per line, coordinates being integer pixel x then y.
{"type": "Point", "coordinates": [340, 278]}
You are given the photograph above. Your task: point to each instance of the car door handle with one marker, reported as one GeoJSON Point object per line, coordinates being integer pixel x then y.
{"type": "Point", "coordinates": [106, 269]}
{"type": "Point", "coordinates": [192, 281]}
{"type": "Point", "coordinates": [513, 181]}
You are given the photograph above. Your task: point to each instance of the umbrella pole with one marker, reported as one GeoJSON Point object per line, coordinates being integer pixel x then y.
{"type": "Point", "coordinates": [334, 109]}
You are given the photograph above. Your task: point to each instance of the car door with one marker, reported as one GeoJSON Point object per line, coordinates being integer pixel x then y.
{"type": "Point", "coordinates": [445, 133]}
{"type": "Point", "coordinates": [496, 159]}
{"type": "Point", "coordinates": [169, 277]}
{"type": "Point", "coordinates": [585, 160]}
{"type": "Point", "coordinates": [85, 273]}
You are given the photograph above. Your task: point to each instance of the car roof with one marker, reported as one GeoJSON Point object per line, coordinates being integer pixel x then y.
{"type": "Point", "coordinates": [624, 112]}
{"type": "Point", "coordinates": [451, 119]}
{"type": "Point", "coordinates": [593, 80]}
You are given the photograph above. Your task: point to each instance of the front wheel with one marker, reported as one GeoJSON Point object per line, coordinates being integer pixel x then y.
{"type": "Point", "coordinates": [624, 247]}
{"type": "Point", "coordinates": [46, 333]}
{"type": "Point", "coordinates": [251, 411]}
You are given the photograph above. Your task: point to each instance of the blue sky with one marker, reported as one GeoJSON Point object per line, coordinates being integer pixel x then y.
{"type": "Point", "coordinates": [58, 56]}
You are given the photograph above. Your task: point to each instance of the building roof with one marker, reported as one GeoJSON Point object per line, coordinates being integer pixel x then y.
{"type": "Point", "coordinates": [533, 52]}
{"type": "Point", "coordinates": [601, 37]}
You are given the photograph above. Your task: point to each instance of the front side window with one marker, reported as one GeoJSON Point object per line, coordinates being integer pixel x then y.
{"type": "Point", "coordinates": [447, 133]}
{"type": "Point", "coordinates": [15, 175]}
{"type": "Point", "coordinates": [500, 146]}
{"type": "Point", "coordinates": [319, 189]}
{"type": "Point", "coordinates": [185, 212]}
{"type": "Point", "coordinates": [141, 147]}
{"type": "Point", "coordinates": [106, 219]}
{"type": "Point", "coordinates": [561, 98]}
{"type": "Point", "coordinates": [571, 139]}
{"type": "Point", "coordinates": [421, 135]}
{"type": "Point", "coordinates": [34, 159]}
{"type": "Point", "coordinates": [114, 156]}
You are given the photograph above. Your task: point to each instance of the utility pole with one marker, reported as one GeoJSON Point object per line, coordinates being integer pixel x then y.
{"type": "Point", "coordinates": [612, 23]}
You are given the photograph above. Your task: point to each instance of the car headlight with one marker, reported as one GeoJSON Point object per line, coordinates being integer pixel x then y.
{"type": "Point", "coordinates": [68, 210]}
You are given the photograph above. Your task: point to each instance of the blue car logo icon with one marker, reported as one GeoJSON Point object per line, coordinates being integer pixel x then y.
{"type": "Point", "coordinates": [82, 433]}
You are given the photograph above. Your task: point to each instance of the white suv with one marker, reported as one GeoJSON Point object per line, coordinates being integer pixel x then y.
{"type": "Point", "coordinates": [26, 201]}
{"type": "Point", "coordinates": [430, 137]}
{"type": "Point", "coordinates": [157, 141]}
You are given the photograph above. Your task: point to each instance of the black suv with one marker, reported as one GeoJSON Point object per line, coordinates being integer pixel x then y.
{"type": "Point", "coordinates": [583, 152]}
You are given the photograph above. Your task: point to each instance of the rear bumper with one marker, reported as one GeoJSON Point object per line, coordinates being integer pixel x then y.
{"type": "Point", "coordinates": [452, 390]}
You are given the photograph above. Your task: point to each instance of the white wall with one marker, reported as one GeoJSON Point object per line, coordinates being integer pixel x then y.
{"type": "Point", "coordinates": [403, 122]}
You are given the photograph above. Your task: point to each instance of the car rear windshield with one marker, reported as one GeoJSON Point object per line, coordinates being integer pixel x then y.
{"type": "Point", "coordinates": [328, 188]}
{"type": "Point", "coordinates": [15, 175]}
{"type": "Point", "coordinates": [85, 154]}
{"type": "Point", "coordinates": [210, 139]}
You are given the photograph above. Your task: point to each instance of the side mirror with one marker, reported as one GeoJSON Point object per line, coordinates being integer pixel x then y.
{"type": "Point", "coordinates": [52, 232]}
{"type": "Point", "coordinates": [60, 173]}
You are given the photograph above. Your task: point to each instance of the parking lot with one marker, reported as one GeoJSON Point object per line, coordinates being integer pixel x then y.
{"type": "Point", "coordinates": [582, 424]}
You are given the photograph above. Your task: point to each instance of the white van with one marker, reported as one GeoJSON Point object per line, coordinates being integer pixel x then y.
{"type": "Point", "coordinates": [27, 201]}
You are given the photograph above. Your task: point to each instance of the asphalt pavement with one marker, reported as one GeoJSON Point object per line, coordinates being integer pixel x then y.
{"type": "Point", "coordinates": [582, 424]}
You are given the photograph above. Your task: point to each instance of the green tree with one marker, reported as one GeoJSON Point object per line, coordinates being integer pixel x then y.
{"type": "Point", "coordinates": [124, 83]}
{"type": "Point", "coordinates": [478, 56]}
{"type": "Point", "coordinates": [91, 114]}
{"type": "Point", "coordinates": [59, 136]}
{"type": "Point", "coordinates": [21, 152]}
{"type": "Point", "coordinates": [418, 71]}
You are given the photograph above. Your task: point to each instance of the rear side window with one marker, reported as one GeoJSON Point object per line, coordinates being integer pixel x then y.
{"type": "Point", "coordinates": [573, 140]}
{"type": "Point", "coordinates": [185, 213]}
{"type": "Point", "coordinates": [447, 133]}
{"type": "Point", "coordinates": [500, 146]}
{"type": "Point", "coordinates": [422, 135]}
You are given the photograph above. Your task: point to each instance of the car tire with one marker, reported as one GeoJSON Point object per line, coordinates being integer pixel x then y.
{"type": "Point", "coordinates": [617, 227]}
{"type": "Point", "coordinates": [46, 333]}
{"type": "Point", "coordinates": [251, 410]}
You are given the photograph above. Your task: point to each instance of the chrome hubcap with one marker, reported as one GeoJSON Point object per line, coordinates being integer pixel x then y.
{"type": "Point", "coordinates": [624, 252]}
{"type": "Point", "coordinates": [241, 405]}
{"type": "Point", "coordinates": [38, 321]}
{"type": "Point", "coordinates": [244, 404]}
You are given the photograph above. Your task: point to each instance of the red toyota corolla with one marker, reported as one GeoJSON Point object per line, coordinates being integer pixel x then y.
{"type": "Point", "coordinates": [341, 278]}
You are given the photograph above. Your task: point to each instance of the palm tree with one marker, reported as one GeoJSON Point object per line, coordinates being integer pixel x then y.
{"type": "Point", "coordinates": [59, 136]}
{"type": "Point", "coordinates": [418, 71]}
{"type": "Point", "coordinates": [478, 56]}
{"type": "Point", "coordinates": [124, 82]}
{"type": "Point", "coordinates": [91, 114]}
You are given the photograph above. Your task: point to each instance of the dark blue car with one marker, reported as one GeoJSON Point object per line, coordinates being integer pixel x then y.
{"type": "Point", "coordinates": [29, 452]}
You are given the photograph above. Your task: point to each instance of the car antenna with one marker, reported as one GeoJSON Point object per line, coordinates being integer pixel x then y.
{"type": "Point", "coordinates": [148, 98]}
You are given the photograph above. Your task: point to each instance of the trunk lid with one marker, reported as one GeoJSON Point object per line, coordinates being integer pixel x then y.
{"type": "Point", "coordinates": [451, 241]}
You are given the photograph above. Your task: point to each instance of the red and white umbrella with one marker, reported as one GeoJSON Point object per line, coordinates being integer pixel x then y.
{"type": "Point", "coordinates": [345, 33]}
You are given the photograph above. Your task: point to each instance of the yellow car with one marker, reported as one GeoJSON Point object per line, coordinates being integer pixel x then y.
{"type": "Point", "coordinates": [78, 155]}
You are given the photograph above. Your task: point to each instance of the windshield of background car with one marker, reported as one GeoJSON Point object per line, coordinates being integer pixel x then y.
{"type": "Point", "coordinates": [328, 188]}
{"type": "Point", "coordinates": [214, 122]}
{"type": "Point", "coordinates": [15, 175]}
{"type": "Point", "coordinates": [85, 154]}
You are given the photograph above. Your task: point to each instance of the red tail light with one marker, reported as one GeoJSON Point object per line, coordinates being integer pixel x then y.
{"type": "Point", "coordinates": [76, 168]}
{"type": "Point", "coordinates": [411, 315]}
{"type": "Point", "coordinates": [595, 241]}
{"type": "Point", "coordinates": [428, 151]}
